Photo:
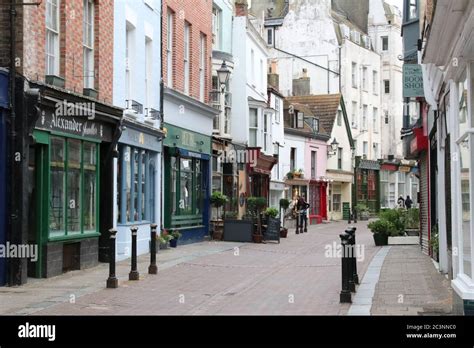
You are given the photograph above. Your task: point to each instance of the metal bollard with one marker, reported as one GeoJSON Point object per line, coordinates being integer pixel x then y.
{"type": "Point", "coordinates": [297, 222]}
{"type": "Point", "coordinates": [345, 295]}
{"type": "Point", "coordinates": [112, 281]}
{"type": "Point", "coordinates": [134, 275]}
{"type": "Point", "coordinates": [354, 212]}
{"type": "Point", "coordinates": [355, 276]}
{"type": "Point", "coordinates": [153, 269]}
{"type": "Point", "coordinates": [351, 257]}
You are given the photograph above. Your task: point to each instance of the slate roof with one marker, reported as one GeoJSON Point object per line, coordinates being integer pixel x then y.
{"type": "Point", "coordinates": [323, 106]}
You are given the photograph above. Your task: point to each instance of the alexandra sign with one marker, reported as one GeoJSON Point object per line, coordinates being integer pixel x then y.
{"type": "Point", "coordinates": [80, 126]}
{"type": "Point", "coordinates": [412, 81]}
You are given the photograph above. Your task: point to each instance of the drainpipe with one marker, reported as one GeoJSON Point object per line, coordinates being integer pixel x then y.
{"type": "Point", "coordinates": [162, 120]}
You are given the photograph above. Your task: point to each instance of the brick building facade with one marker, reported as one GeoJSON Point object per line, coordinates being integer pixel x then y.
{"type": "Point", "coordinates": [198, 14]}
{"type": "Point", "coordinates": [66, 131]}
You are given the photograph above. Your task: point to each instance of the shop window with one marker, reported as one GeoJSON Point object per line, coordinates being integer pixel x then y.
{"type": "Point", "coordinates": [136, 178]}
{"type": "Point", "coordinates": [73, 192]}
{"type": "Point", "coordinates": [336, 197]}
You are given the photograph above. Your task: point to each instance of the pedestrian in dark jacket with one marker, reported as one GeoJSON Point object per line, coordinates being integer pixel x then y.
{"type": "Point", "coordinates": [302, 207]}
{"type": "Point", "coordinates": [408, 202]}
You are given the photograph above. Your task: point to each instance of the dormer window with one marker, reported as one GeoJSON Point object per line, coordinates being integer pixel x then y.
{"type": "Point", "coordinates": [316, 125]}
{"type": "Point", "coordinates": [299, 119]}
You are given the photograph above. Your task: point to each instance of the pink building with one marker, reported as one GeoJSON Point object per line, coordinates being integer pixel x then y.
{"type": "Point", "coordinates": [315, 167]}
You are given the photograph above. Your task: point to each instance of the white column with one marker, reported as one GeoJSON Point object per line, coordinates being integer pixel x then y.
{"type": "Point", "coordinates": [441, 199]}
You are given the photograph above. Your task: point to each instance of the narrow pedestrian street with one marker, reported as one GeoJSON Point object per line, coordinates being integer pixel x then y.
{"type": "Point", "coordinates": [299, 276]}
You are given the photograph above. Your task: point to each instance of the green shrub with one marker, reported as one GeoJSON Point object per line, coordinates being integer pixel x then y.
{"type": "Point", "coordinates": [412, 218]}
{"type": "Point", "coordinates": [397, 218]}
{"type": "Point", "coordinates": [271, 212]}
{"type": "Point", "coordinates": [284, 203]}
{"type": "Point", "coordinates": [218, 199]}
{"type": "Point", "coordinates": [176, 234]}
{"type": "Point", "coordinates": [382, 226]}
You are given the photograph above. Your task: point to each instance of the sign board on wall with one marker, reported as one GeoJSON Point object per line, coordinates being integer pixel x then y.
{"type": "Point", "coordinates": [412, 81]}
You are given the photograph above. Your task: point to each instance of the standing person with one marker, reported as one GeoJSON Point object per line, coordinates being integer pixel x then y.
{"type": "Point", "coordinates": [302, 207]}
{"type": "Point", "coordinates": [408, 202]}
{"type": "Point", "coordinates": [401, 202]}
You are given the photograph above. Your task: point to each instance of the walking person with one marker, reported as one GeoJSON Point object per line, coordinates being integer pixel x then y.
{"type": "Point", "coordinates": [401, 202]}
{"type": "Point", "coordinates": [408, 202]}
{"type": "Point", "coordinates": [302, 207]}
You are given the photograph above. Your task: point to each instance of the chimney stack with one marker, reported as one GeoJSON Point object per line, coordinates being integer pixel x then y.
{"type": "Point", "coordinates": [273, 77]}
{"type": "Point", "coordinates": [301, 86]}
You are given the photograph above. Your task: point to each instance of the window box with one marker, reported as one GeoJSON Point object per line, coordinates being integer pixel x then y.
{"type": "Point", "coordinates": [55, 81]}
{"type": "Point", "coordinates": [90, 92]}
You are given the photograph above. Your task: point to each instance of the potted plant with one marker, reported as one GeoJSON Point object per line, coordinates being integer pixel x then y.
{"type": "Point", "coordinates": [218, 200]}
{"type": "Point", "coordinates": [284, 204]}
{"type": "Point", "coordinates": [290, 175]}
{"type": "Point", "coordinates": [255, 205]}
{"type": "Point", "coordinates": [397, 218]}
{"type": "Point", "coordinates": [298, 173]}
{"type": "Point", "coordinates": [434, 242]}
{"type": "Point", "coordinates": [381, 229]}
{"type": "Point", "coordinates": [273, 231]}
{"type": "Point", "coordinates": [164, 240]}
{"type": "Point", "coordinates": [362, 212]}
{"type": "Point", "coordinates": [175, 235]}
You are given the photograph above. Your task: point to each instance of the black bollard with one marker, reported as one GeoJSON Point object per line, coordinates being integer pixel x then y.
{"type": "Point", "coordinates": [112, 281]}
{"type": "Point", "coordinates": [153, 269]}
{"type": "Point", "coordinates": [345, 295]}
{"type": "Point", "coordinates": [134, 275]}
{"type": "Point", "coordinates": [354, 267]}
{"type": "Point", "coordinates": [297, 222]}
{"type": "Point", "coordinates": [355, 215]}
{"type": "Point", "coordinates": [351, 257]}
{"type": "Point", "coordinates": [350, 216]}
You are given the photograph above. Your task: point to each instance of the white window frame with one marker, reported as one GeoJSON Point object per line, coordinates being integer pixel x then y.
{"type": "Point", "coordinates": [354, 114]}
{"type": "Point", "coordinates": [216, 28]}
{"type": "Point", "coordinates": [375, 116]}
{"type": "Point", "coordinates": [365, 149]}
{"type": "Point", "coordinates": [386, 83]}
{"type": "Point", "coordinates": [365, 85]}
{"type": "Point", "coordinates": [169, 48]}
{"type": "Point", "coordinates": [202, 67]}
{"type": "Point", "coordinates": [129, 63]}
{"type": "Point", "coordinates": [88, 43]}
{"type": "Point", "coordinates": [253, 128]}
{"type": "Point", "coordinates": [266, 129]}
{"type": "Point", "coordinates": [148, 72]}
{"type": "Point", "coordinates": [354, 74]}
{"type": "Point", "coordinates": [375, 82]}
{"type": "Point", "coordinates": [365, 116]}
{"type": "Point", "coordinates": [186, 57]}
{"type": "Point", "coordinates": [382, 39]}
{"type": "Point", "coordinates": [52, 37]}
{"type": "Point", "coordinates": [277, 109]}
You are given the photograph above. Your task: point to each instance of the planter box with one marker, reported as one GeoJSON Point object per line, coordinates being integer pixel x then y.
{"type": "Point", "coordinates": [238, 231]}
{"type": "Point", "coordinates": [412, 232]}
{"type": "Point", "coordinates": [404, 240]}
{"type": "Point", "coordinates": [55, 81]}
{"type": "Point", "coordinates": [380, 239]}
{"type": "Point", "coordinates": [90, 92]}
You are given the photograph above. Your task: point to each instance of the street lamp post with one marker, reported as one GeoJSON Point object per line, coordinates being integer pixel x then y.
{"type": "Point", "coordinates": [223, 75]}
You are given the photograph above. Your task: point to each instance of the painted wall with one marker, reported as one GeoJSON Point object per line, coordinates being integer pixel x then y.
{"type": "Point", "coordinates": [305, 21]}
{"type": "Point", "coordinates": [227, 14]}
{"type": "Point", "coordinates": [146, 23]}
{"type": "Point", "coordinates": [298, 143]}
{"type": "Point", "coordinates": [392, 103]}
{"type": "Point", "coordinates": [352, 52]}
{"type": "Point", "coordinates": [278, 136]}
{"type": "Point", "coordinates": [321, 157]}
{"type": "Point", "coordinates": [339, 132]}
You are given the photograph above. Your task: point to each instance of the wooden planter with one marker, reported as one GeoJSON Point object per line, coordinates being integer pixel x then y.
{"type": "Point", "coordinates": [218, 229]}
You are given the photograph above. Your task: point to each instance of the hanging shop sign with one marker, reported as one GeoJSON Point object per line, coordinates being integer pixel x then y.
{"type": "Point", "coordinates": [412, 81]}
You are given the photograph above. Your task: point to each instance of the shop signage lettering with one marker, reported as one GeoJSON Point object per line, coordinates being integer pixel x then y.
{"type": "Point", "coordinates": [73, 125]}
{"type": "Point", "coordinates": [412, 81]}
{"type": "Point", "coordinates": [143, 140]}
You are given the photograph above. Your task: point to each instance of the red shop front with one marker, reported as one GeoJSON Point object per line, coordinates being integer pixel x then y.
{"type": "Point", "coordinates": [318, 200]}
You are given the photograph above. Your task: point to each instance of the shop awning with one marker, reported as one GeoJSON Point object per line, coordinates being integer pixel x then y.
{"type": "Point", "coordinates": [260, 163]}
{"type": "Point", "coordinates": [297, 182]}
{"type": "Point", "coordinates": [193, 154]}
{"type": "Point", "coordinates": [368, 164]}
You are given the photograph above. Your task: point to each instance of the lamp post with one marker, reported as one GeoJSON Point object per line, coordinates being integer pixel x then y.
{"type": "Point", "coordinates": [223, 75]}
{"type": "Point", "coordinates": [332, 149]}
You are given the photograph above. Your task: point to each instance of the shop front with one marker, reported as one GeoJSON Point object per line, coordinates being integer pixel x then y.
{"type": "Point", "coordinates": [138, 185]}
{"type": "Point", "coordinates": [187, 166]}
{"type": "Point", "coordinates": [71, 174]}
{"type": "Point", "coordinates": [259, 171]}
{"type": "Point", "coordinates": [317, 199]}
{"type": "Point", "coordinates": [367, 185]}
{"type": "Point", "coordinates": [3, 168]}
{"type": "Point", "coordinates": [339, 194]}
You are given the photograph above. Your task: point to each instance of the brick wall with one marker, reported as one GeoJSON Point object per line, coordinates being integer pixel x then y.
{"type": "Point", "coordinates": [199, 14]}
{"type": "Point", "coordinates": [31, 40]}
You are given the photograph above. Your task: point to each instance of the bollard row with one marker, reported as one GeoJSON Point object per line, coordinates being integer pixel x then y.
{"type": "Point", "coordinates": [112, 281]}
{"type": "Point", "coordinates": [350, 278]}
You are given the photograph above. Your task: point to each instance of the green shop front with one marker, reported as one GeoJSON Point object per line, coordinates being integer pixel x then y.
{"type": "Point", "coordinates": [187, 183]}
{"type": "Point", "coordinates": [71, 184]}
{"type": "Point", "coordinates": [366, 188]}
